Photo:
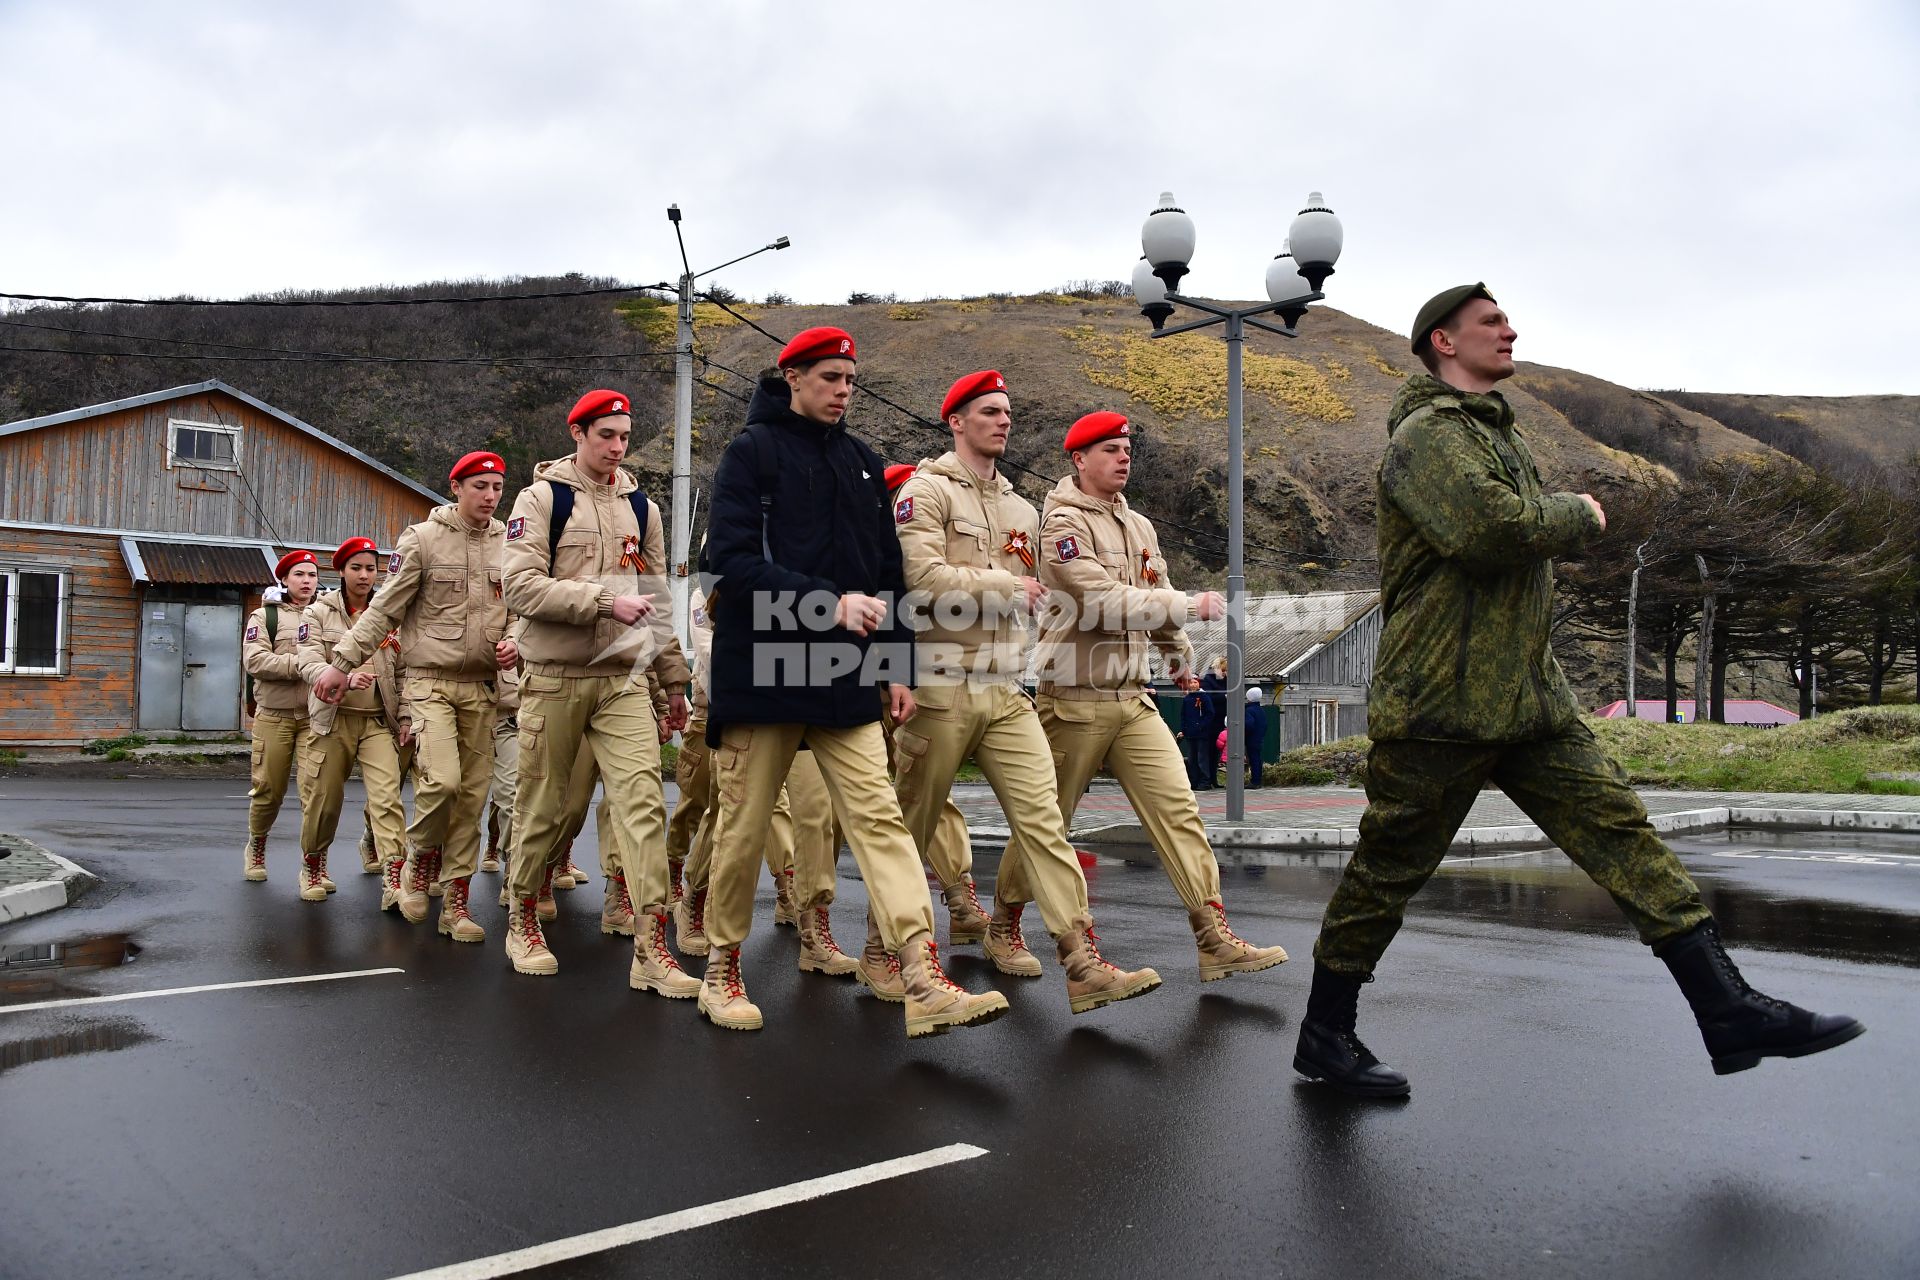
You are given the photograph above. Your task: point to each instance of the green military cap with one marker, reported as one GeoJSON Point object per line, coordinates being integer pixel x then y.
{"type": "Point", "coordinates": [1434, 312]}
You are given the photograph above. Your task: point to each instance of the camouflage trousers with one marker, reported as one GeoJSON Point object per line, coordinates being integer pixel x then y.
{"type": "Point", "coordinates": [1418, 794]}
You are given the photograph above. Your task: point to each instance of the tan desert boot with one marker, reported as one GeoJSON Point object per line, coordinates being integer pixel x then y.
{"type": "Point", "coordinates": [819, 953]}
{"type": "Point", "coordinates": [935, 1002]}
{"type": "Point", "coordinates": [1092, 980]}
{"type": "Point", "coordinates": [313, 877]}
{"type": "Point", "coordinates": [785, 914]}
{"type": "Point", "coordinates": [413, 889]}
{"type": "Point", "coordinates": [879, 969]}
{"type": "Point", "coordinates": [326, 881]}
{"type": "Point", "coordinates": [454, 920]}
{"type": "Point", "coordinates": [676, 879]}
{"type": "Point", "coordinates": [1223, 952]}
{"type": "Point", "coordinates": [1006, 946]}
{"type": "Point", "coordinates": [490, 860]}
{"type": "Point", "coordinates": [654, 968]}
{"type": "Point", "coordinates": [617, 915]}
{"type": "Point", "coordinates": [563, 871]}
{"type": "Point", "coordinates": [723, 995]}
{"type": "Point", "coordinates": [526, 945]}
{"type": "Point", "coordinates": [370, 860]}
{"type": "Point", "coordinates": [390, 887]}
{"type": "Point", "coordinates": [966, 921]}
{"type": "Point", "coordinates": [544, 906]}
{"type": "Point", "coordinates": [690, 924]}
{"type": "Point", "coordinates": [253, 860]}
{"type": "Point", "coordinates": [434, 887]}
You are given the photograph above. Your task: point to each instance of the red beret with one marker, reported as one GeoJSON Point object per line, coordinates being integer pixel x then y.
{"type": "Point", "coordinates": [972, 387]}
{"type": "Point", "coordinates": [598, 404]}
{"type": "Point", "coordinates": [898, 474]}
{"type": "Point", "coordinates": [824, 343]}
{"type": "Point", "coordinates": [1095, 427]}
{"type": "Point", "coordinates": [289, 560]}
{"type": "Point", "coordinates": [479, 463]}
{"type": "Point", "coordinates": [351, 548]}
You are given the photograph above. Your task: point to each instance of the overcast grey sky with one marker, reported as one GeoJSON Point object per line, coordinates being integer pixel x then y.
{"type": "Point", "coordinates": [1720, 196]}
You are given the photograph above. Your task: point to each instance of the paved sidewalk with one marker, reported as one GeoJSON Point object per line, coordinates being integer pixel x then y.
{"type": "Point", "coordinates": [33, 881]}
{"type": "Point", "coordinates": [1322, 818]}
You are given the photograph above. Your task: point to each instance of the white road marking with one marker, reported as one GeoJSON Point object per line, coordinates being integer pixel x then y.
{"type": "Point", "coordinates": [1907, 860]}
{"type": "Point", "coordinates": [1492, 857]}
{"type": "Point", "coordinates": [544, 1255]}
{"type": "Point", "coordinates": [184, 991]}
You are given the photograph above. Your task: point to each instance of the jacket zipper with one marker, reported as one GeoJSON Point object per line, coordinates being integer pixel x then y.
{"type": "Point", "coordinates": [1466, 633]}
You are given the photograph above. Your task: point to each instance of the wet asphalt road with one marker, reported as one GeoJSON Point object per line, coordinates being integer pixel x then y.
{"type": "Point", "coordinates": [1564, 1121]}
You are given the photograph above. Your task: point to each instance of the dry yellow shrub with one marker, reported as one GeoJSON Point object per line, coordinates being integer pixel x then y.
{"type": "Point", "coordinates": [1339, 371]}
{"type": "Point", "coordinates": [906, 313]}
{"type": "Point", "coordinates": [1373, 358]}
{"type": "Point", "coordinates": [1186, 376]}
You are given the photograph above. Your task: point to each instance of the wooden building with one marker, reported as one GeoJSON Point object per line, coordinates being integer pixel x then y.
{"type": "Point", "coordinates": [136, 535]}
{"type": "Point", "coordinates": [1314, 651]}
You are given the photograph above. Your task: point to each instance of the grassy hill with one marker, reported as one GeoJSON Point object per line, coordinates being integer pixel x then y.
{"type": "Point", "coordinates": [415, 386]}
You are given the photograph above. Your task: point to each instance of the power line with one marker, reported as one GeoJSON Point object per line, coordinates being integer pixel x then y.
{"type": "Point", "coordinates": [341, 302]}
{"type": "Point", "coordinates": [477, 362]}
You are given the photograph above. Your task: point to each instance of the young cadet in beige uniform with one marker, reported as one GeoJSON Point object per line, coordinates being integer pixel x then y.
{"type": "Point", "coordinates": [280, 702]}
{"type": "Point", "coordinates": [369, 726]}
{"type": "Point", "coordinates": [800, 516]}
{"type": "Point", "coordinates": [443, 595]}
{"type": "Point", "coordinates": [593, 591]}
{"type": "Point", "coordinates": [969, 545]}
{"type": "Point", "coordinates": [1102, 562]}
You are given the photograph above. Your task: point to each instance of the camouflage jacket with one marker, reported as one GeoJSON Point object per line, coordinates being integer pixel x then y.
{"type": "Point", "coordinates": [1467, 538]}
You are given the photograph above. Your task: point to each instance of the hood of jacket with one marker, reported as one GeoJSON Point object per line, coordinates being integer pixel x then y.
{"type": "Point", "coordinates": [566, 471]}
{"type": "Point", "coordinates": [1423, 391]}
{"type": "Point", "coordinates": [449, 515]}
{"type": "Point", "coordinates": [1069, 493]}
{"type": "Point", "coordinates": [772, 404]}
{"type": "Point", "coordinates": [949, 465]}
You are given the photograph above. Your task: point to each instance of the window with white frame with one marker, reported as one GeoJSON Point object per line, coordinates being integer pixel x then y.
{"type": "Point", "coordinates": [207, 445]}
{"type": "Point", "coordinates": [33, 622]}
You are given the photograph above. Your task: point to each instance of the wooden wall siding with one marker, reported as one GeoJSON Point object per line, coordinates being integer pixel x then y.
{"type": "Point", "coordinates": [111, 472]}
{"type": "Point", "coordinates": [95, 699]}
{"type": "Point", "coordinates": [1348, 661]}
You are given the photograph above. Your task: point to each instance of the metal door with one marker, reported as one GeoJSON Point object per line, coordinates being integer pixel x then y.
{"type": "Point", "coordinates": [210, 683]}
{"type": "Point", "coordinates": [162, 652]}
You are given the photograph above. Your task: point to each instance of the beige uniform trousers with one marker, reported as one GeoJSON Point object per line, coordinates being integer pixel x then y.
{"type": "Point", "coordinates": [997, 726]}
{"type": "Point", "coordinates": [1136, 746]}
{"type": "Point", "coordinates": [751, 762]}
{"type": "Point", "coordinates": [779, 843]}
{"type": "Point", "coordinates": [695, 778]}
{"type": "Point", "coordinates": [327, 760]}
{"type": "Point", "coordinates": [453, 761]}
{"type": "Point", "coordinates": [586, 776]}
{"type": "Point", "coordinates": [506, 775]}
{"type": "Point", "coordinates": [615, 718]}
{"type": "Point", "coordinates": [276, 741]}
{"type": "Point", "coordinates": [816, 836]}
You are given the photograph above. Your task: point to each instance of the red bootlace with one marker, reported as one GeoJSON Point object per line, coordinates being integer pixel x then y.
{"type": "Point", "coordinates": [823, 931]}
{"type": "Point", "coordinates": [973, 896]}
{"type": "Point", "coordinates": [1226, 930]}
{"type": "Point", "coordinates": [433, 866]}
{"type": "Point", "coordinates": [657, 943]}
{"type": "Point", "coordinates": [546, 882]}
{"type": "Point", "coordinates": [697, 913]}
{"type": "Point", "coordinates": [730, 975]}
{"type": "Point", "coordinates": [257, 851]}
{"type": "Point", "coordinates": [1016, 940]}
{"type": "Point", "coordinates": [1093, 949]}
{"type": "Point", "coordinates": [620, 898]}
{"type": "Point", "coordinates": [939, 974]}
{"type": "Point", "coordinates": [314, 871]}
{"type": "Point", "coordinates": [418, 881]}
{"type": "Point", "coordinates": [456, 899]}
{"type": "Point", "coordinates": [393, 874]}
{"type": "Point", "coordinates": [530, 924]}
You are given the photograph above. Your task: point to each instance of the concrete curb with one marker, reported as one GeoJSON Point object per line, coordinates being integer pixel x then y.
{"type": "Point", "coordinates": [1524, 835]}
{"type": "Point", "coordinates": [37, 897]}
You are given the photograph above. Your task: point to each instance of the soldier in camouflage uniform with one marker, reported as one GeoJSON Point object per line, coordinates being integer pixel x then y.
{"type": "Point", "coordinates": [1466, 690]}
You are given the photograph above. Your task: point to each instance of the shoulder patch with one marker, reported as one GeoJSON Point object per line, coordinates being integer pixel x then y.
{"type": "Point", "coordinates": [516, 528]}
{"type": "Point", "coordinates": [302, 638]}
{"type": "Point", "coordinates": [903, 510]}
{"type": "Point", "coordinates": [253, 633]}
{"type": "Point", "coordinates": [393, 563]}
{"type": "Point", "coordinates": [1067, 549]}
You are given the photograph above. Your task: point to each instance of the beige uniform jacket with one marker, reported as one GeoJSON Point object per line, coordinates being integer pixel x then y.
{"type": "Point", "coordinates": [273, 661]}
{"type": "Point", "coordinates": [1105, 559]}
{"type": "Point", "coordinates": [964, 537]}
{"type": "Point", "coordinates": [327, 625]}
{"type": "Point", "coordinates": [700, 628]}
{"type": "Point", "coordinates": [443, 595]}
{"type": "Point", "coordinates": [567, 597]}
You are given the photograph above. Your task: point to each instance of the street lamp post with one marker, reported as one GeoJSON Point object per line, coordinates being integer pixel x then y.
{"type": "Point", "coordinates": [1293, 280]}
{"type": "Point", "coordinates": [682, 549]}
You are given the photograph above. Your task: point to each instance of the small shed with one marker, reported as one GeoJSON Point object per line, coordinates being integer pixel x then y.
{"type": "Point", "coordinates": [134, 537]}
{"type": "Point", "coordinates": [1317, 650]}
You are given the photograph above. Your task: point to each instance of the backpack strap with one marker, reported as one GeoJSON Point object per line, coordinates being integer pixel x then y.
{"type": "Point", "coordinates": [638, 501]}
{"type": "Point", "coordinates": [767, 477]}
{"type": "Point", "coordinates": [557, 522]}
{"type": "Point", "coordinates": [273, 626]}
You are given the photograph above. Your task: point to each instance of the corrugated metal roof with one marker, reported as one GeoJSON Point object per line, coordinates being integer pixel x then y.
{"type": "Point", "coordinates": [207, 564]}
{"type": "Point", "coordinates": [1283, 629]}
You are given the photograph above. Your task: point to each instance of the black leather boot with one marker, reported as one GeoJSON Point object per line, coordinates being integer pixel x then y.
{"type": "Point", "coordinates": [1741, 1026]}
{"type": "Point", "coordinates": [1329, 1049]}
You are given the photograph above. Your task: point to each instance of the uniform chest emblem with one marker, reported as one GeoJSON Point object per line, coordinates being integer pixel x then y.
{"type": "Point", "coordinates": [516, 528]}
{"type": "Point", "coordinates": [1067, 549]}
{"type": "Point", "coordinates": [1147, 570]}
{"type": "Point", "coordinates": [393, 563]}
{"type": "Point", "coordinates": [630, 556]}
{"type": "Point", "coordinates": [302, 637]}
{"type": "Point", "coordinates": [903, 510]}
{"type": "Point", "coordinates": [1017, 544]}
{"type": "Point", "coordinates": [253, 633]}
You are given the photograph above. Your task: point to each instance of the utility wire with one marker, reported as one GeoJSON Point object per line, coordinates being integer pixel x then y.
{"type": "Point", "coordinates": [342, 302]}
{"type": "Point", "coordinates": [191, 357]}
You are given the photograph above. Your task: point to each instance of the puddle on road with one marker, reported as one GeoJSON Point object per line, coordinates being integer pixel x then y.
{"type": "Point", "coordinates": [33, 970]}
{"type": "Point", "coordinates": [1851, 906]}
{"type": "Point", "coordinates": [100, 1038]}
